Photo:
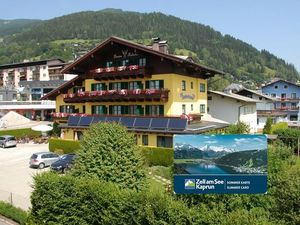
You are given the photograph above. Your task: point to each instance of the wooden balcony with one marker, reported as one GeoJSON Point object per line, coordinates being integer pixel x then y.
{"type": "Point", "coordinates": [157, 95]}
{"type": "Point", "coordinates": [121, 72]}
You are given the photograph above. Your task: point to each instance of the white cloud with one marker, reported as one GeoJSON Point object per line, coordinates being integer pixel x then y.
{"type": "Point", "coordinates": [211, 142]}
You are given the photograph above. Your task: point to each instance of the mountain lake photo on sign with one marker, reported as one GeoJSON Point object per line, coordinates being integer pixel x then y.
{"type": "Point", "coordinates": [220, 163]}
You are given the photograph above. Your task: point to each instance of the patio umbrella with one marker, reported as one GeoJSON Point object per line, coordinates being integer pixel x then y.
{"type": "Point", "coordinates": [42, 128]}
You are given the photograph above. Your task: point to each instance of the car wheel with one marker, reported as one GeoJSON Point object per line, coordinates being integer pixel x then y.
{"type": "Point", "coordinates": [2, 145]}
{"type": "Point", "coordinates": [41, 166]}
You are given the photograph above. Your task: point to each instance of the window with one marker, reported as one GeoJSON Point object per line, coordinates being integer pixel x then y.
{"type": "Point", "coordinates": [155, 110]}
{"type": "Point", "coordinates": [202, 87]}
{"type": "Point", "coordinates": [285, 86]}
{"type": "Point", "coordinates": [209, 98]}
{"type": "Point", "coordinates": [44, 75]}
{"type": "Point", "coordinates": [145, 139]}
{"type": "Point", "coordinates": [192, 107]}
{"type": "Point", "coordinates": [155, 84]}
{"type": "Point", "coordinates": [202, 108]}
{"type": "Point", "coordinates": [273, 95]}
{"type": "Point", "coordinates": [78, 89]}
{"type": "Point", "coordinates": [293, 117]}
{"type": "Point", "coordinates": [276, 87]}
{"type": "Point", "coordinates": [257, 121]}
{"type": "Point", "coordinates": [164, 141]}
{"type": "Point", "coordinates": [135, 110]}
{"type": "Point", "coordinates": [98, 87]}
{"type": "Point", "coordinates": [125, 62]}
{"type": "Point", "coordinates": [183, 109]}
{"type": "Point", "coordinates": [99, 109]}
{"type": "Point", "coordinates": [135, 85]}
{"type": "Point", "coordinates": [109, 64]}
{"type": "Point", "coordinates": [294, 105]}
{"type": "Point", "coordinates": [260, 98]}
{"type": "Point", "coordinates": [118, 85]}
{"type": "Point", "coordinates": [118, 109]}
{"type": "Point", "coordinates": [183, 87]}
{"type": "Point", "coordinates": [293, 95]}
{"type": "Point", "coordinates": [248, 109]}
{"type": "Point", "coordinates": [67, 109]}
{"type": "Point", "coordinates": [142, 62]}
{"type": "Point", "coordinates": [44, 67]}
{"type": "Point", "coordinates": [192, 85]}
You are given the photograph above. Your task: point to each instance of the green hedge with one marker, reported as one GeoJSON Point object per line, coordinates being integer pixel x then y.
{"type": "Point", "coordinates": [20, 133]}
{"type": "Point", "coordinates": [158, 156]}
{"type": "Point", "coordinates": [13, 213]}
{"type": "Point", "coordinates": [68, 146]}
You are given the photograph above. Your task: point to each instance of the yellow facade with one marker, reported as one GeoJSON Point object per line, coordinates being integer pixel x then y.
{"type": "Point", "coordinates": [191, 97]}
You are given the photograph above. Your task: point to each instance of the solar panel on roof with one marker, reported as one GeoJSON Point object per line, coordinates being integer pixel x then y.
{"type": "Point", "coordinates": [143, 123]}
{"type": "Point", "coordinates": [98, 119]}
{"type": "Point", "coordinates": [86, 120]}
{"type": "Point", "coordinates": [177, 124]}
{"type": "Point", "coordinates": [159, 123]}
{"type": "Point", "coordinates": [127, 121]}
{"type": "Point", "coordinates": [112, 119]}
{"type": "Point", "coordinates": [73, 120]}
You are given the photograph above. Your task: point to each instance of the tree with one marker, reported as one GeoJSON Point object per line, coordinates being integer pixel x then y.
{"type": "Point", "coordinates": [109, 153]}
{"type": "Point", "coordinates": [239, 128]}
{"type": "Point", "coordinates": [268, 126]}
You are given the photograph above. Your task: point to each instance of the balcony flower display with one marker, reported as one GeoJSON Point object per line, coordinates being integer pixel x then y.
{"type": "Point", "coordinates": [121, 68]}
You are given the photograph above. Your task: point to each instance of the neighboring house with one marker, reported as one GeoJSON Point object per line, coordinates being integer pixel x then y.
{"type": "Point", "coordinates": [233, 108]}
{"type": "Point", "coordinates": [143, 87]}
{"type": "Point", "coordinates": [287, 96]}
{"type": "Point", "coordinates": [265, 107]}
{"type": "Point", "coordinates": [23, 84]}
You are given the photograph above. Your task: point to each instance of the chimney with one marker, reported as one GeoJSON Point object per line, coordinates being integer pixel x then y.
{"type": "Point", "coordinates": [161, 46]}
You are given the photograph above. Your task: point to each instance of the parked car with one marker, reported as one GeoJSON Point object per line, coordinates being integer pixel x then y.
{"type": "Point", "coordinates": [64, 163]}
{"type": "Point", "coordinates": [43, 159]}
{"type": "Point", "coordinates": [8, 141]}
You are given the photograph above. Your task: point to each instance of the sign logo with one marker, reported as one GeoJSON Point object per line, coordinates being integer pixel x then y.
{"type": "Point", "coordinates": [187, 96]}
{"type": "Point", "coordinates": [189, 184]}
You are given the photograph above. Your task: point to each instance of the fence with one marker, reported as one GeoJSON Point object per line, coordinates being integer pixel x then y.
{"type": "Point", "coordinates": [16, 200]}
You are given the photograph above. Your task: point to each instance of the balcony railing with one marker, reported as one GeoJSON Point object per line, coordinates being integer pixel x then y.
{"type": "Point", "coordinates": [288, 108]}
{"type": "Point", "coordinates": [286, 99]}
{"type": "Point", "coordinates": [118, 95]}
{"type": "Point", "coordinates": [111, 73]}
{"type": "Point", "coordinates": [47, 102]}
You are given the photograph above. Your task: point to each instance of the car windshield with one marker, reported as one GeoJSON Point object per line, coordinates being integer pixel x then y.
{"type": "Point", "coordinates": [12, 139]}
{"type": "Point", "coordinates": [67, 157]}
{"type": "Point", "coordinates": [34, 156]}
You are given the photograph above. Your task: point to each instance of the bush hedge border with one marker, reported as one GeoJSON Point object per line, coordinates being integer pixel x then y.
{"type": "Point", "coordinates": [13, 213]}
{"type": "Point", "coordinates": [20, 133]}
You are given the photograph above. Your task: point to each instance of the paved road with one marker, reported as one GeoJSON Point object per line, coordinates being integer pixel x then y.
{"type": "Point", "coordinates": [15, 174]}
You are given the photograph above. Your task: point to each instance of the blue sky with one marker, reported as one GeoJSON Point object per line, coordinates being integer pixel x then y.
{"type": "Point", "coordinates": [266, 24]}
{"type": "Point", "coordinates": [237, 142]}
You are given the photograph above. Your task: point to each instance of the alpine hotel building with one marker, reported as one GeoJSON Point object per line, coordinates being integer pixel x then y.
{"type": "Point", "coordinates": [151, 92]}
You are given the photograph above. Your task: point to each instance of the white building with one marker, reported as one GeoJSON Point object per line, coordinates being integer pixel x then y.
{"type": "Point", "coordinates": [265, 107]}
{"type": "Point", "coordinates": [23, 84]}
{"type": "Point", "coordinates": [233, 108]}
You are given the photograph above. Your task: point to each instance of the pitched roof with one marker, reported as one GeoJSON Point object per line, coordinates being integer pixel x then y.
{"type": "Point", "coordinates": [32, 63]}
{"type": "Point", "coordinates": [280, 80]}
{"type": "Point", "coordinates": [70, 68]}
{"type": "Point", "coordinates": [257, 93]}
{"type": "Point", "coordinates": [234, 96]}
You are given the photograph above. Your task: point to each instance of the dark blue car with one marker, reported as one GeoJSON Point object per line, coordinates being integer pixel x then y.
{"type": "Point", "coordinates": [64, 163]}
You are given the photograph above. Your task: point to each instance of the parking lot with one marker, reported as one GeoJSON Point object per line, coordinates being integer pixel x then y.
{"type": "Point", "coordinates": [15, 175]}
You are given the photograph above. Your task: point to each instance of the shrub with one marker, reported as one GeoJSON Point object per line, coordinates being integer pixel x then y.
{"type": "Point", "coordinates": [239, 128]}
{"type": "Point", "coordinates": [279, 126]}
{"type": "Point", "coordinates": [21, 133]}
{"type": "Point", "coordinates": [109, 152]}
{"type": "Point", "coordinates": [158, 156]}
{"type": "Point", "coordinates": [11, 212]}
{"type": "Point", "coordinates": [268, 126]}
{"type": "Point", "coordinates": [67, 146]}
{"type": "Point", "coordinates": [55, 131]}
{"type": "Point", "coordinates": [288, 136]}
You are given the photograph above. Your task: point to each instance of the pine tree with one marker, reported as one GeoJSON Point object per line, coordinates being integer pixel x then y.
{"type": "Point", "coordinates": [109, 153]}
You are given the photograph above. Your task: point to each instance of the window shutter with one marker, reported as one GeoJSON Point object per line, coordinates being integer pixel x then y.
{"type": "Point", "coordinates": [147, 83]}
{"type": "Point", "coordinates": [110, 86]}
{"type": "Point", "coordinates": [110, 109]}
{"type": "Point", "coordinates": [93, 87]}
{"type": "Point", "coordinates": [147, 109]}
{"type": "Point", "coordinates": [161, 110]}
{"type": "Point", "coordinates": [161, 83]}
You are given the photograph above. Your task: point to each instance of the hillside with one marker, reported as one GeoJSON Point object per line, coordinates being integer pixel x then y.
{"type": "Point", "coordinates": [72, 35]}
{"type": "Point", "coordinates": [9, 27]}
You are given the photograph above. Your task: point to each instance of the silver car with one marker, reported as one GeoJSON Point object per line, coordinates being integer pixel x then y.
{"type": "Point", "coordinates": [43, 159]}
{"type": "Point", "coordinates": [7, 141]}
